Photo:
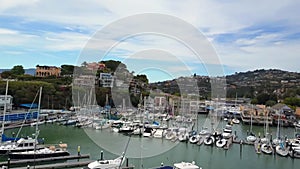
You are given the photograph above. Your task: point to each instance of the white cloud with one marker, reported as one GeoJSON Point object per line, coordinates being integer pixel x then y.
{"type": "Point", "coordinates": [7, 32]}
{"type": "Point", "coordinates": [213, 17]}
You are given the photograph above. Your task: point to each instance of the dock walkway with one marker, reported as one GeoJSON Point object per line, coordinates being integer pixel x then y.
{"type": "Point", "coordinates": [30, 161]}
{"type": "Point", "coordinates": [58, 165]}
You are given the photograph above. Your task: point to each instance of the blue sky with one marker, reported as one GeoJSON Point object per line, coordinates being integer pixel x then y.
{"type": "Point", "coordinates": [246, 35]}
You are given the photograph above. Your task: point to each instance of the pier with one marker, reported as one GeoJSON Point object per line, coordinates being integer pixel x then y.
{"type": "Point", "coordinates": [57, 165]}
{"type": "Point", "coordinates": [31, 161]}
{"type": "Point", "coordinates": [229, 143]}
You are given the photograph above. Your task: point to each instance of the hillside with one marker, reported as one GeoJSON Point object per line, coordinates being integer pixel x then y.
{"type": "Point", "coordinates": [273, 84]}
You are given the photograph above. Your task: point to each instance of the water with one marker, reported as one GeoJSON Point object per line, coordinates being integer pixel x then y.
{"type": "Point", "coordinates": [147, 152]}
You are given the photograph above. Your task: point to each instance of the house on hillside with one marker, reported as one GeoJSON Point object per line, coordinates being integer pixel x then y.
{"type": "Point", "coordinates": [106, 80]}
{"type": "Point", "coordinates": [44, 71]}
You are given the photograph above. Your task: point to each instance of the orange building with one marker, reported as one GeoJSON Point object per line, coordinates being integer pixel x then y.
{"type": "Point", "coordinates": [44, 71]}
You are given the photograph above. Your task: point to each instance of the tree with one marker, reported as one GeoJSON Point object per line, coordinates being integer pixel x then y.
{"type": "Point", "coordinates": [270, 103]}
{"type": "Point", "coordinates": [264, 97]}
{"type": "Point", "coordinates": [6, 74]}
{"type": "Point", "coordinates": [18, 70]}
{"type": "Point", "coordinates": [67, 69]}
{"type": "Point", "coordinates": [84, 64]}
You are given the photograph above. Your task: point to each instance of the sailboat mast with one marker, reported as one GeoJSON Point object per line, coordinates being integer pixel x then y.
{"type": "Point", "coordinates": [4, 111]}
{"type": "Point", "coordinates": [38, 114]}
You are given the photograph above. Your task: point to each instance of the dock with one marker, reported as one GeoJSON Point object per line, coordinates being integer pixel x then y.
{"type": "Point", "coordinates": [229, 143]}
{"type": "Point", "coordinates": [30, 161]}
{"type": "Point", "coordinates": [58, 165]}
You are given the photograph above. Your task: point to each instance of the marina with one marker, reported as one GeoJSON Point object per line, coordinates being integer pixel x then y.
{"type": "Point", "coordinates": [144, 152]}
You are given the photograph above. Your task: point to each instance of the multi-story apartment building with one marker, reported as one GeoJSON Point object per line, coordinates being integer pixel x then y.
{"type": "Point", "coordinates": [106, 80]}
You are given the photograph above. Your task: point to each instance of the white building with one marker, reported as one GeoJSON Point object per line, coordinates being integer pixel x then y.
{"type": "Point", "coordinates": [8, 102]}
{"type": "Point", "coordinates": [106, 80]}
{"type": "Point", "coordinates": [85, 80]}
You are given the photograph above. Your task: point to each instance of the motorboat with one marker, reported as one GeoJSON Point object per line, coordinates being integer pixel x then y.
{"type": "Point", "coordinates": [46, 152]}
{"type": "Point", "coordinates": [182, 165]}
{"type": "Point", "coordinates": [23, 144]}
{"type": "Point", "coordinates": [186, 165]}
{"type": "Point", "coordinates": [106, 164]}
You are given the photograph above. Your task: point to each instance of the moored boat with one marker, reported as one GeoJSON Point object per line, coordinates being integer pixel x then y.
{"type": "Point", "coordinates": [194, 139]}
{"type": "Point", "coordinates": [105, 164]}
{"type": "Point", "coordinates": [23, 144]}
{"type": "Point", "coordinates": [209, 140]}
{"type": "Point", "coordinates": [282, 151]}
{"type": "Point", "coordinates": [186, 165]}
{"type": "Point", "coordinates": [221, 143]}
{"type": "Point", "coordinates": [267, 148]}
{"type": "Point", "coordinates": [46, 152]}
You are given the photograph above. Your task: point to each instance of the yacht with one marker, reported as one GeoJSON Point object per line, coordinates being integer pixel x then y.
{"type": "Point", "coordinates": [23, 144]}
{"type": "Point", "coordinates": [46, 152]}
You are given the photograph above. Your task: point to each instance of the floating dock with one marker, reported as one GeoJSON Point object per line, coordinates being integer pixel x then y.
{"type": "Point", "coordinates": [31, 161]}
{"type": "Point", "coordinates": [57, 165]}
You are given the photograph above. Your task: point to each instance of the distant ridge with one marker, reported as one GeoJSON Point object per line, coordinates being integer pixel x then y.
{"type": "Point", "coordinates": [30, 71]}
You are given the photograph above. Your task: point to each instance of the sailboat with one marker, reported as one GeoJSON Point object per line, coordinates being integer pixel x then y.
{"type": "Point", "coordinates": [280, 147]}
{"type": "Point", "coordinates": [182, 165]}
{"type": "Point", "coordinates": [282, 150]}
{"type": "Point", "coordinates": [278, 138]}
{"type": "Point", "coordinates": [22, 144]}
{"type": "Point", "coordinates": [251, 137]}
{"type": "Point", "coordinates": [265, 139]}
{"type": "Point", "coordinates": [267, 148]}
{"type": "Point", "coordinates": [38, 151]}
{"type": "Point", "coordinates": [106, 164]}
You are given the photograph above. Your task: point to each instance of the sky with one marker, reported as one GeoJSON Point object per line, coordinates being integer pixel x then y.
{"type": "Point", "coordinates": [162, 39]}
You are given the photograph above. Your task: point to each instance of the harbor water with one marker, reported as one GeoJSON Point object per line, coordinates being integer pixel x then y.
{"type": "Point", "coordinates": [151, 152]}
